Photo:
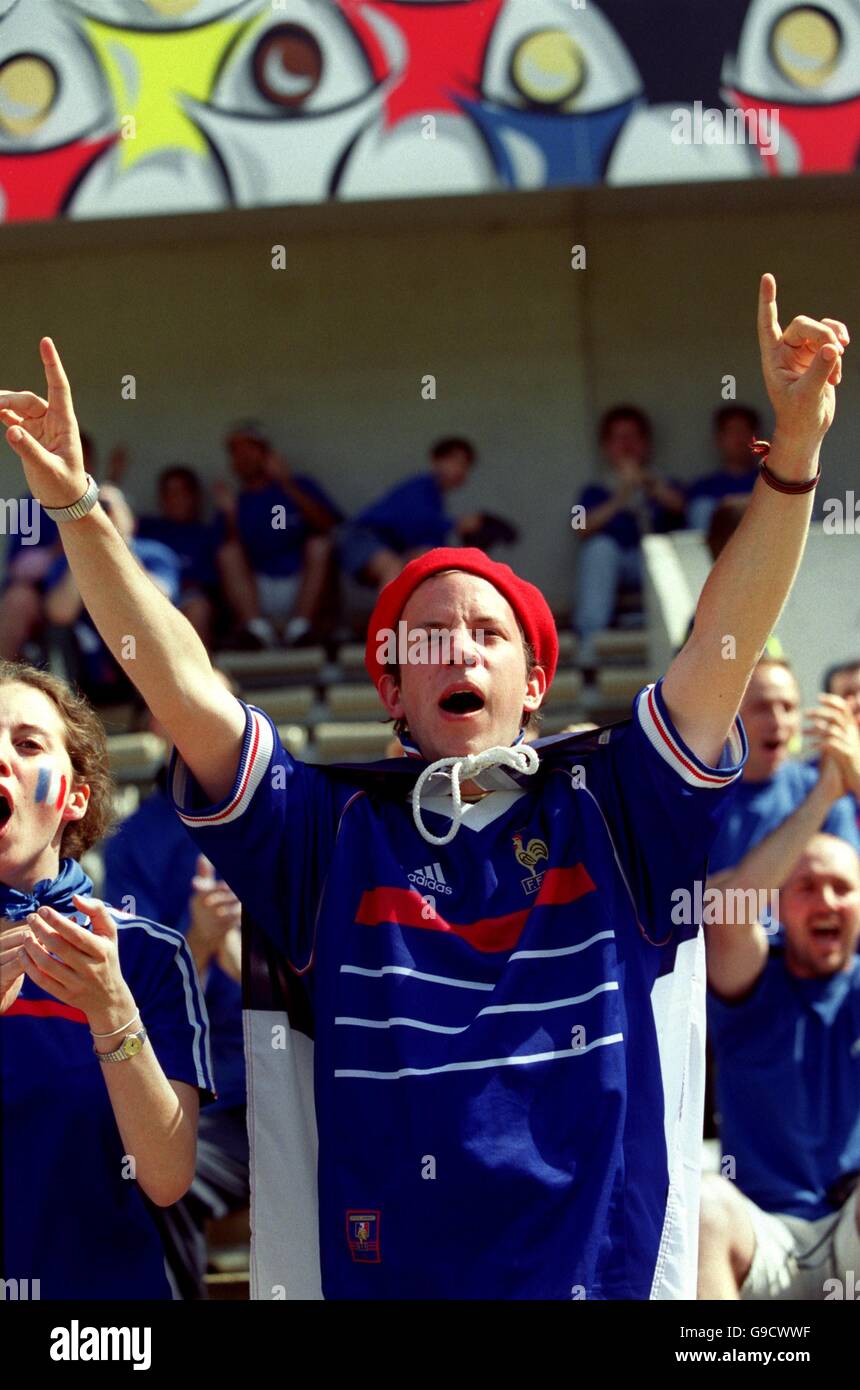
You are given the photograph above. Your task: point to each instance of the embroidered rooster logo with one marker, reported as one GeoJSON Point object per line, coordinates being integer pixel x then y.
{"type": "Point", "coordinates": [529, 855]}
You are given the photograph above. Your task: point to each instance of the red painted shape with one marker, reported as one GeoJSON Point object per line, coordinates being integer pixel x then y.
{"type": "Point", "coordinates": [35, 186]}
{"type": "Point", "coordinates": [445, 49]}
{"type": "Point", "coordinates": [827, 137]}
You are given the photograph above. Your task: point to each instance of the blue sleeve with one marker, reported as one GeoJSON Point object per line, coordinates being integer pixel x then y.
{"type": "Point", "coordinates": [319, 494]}
{"type": "Point", "coordinates": [58, 571]}
{"type": "Point", "coordinates": [842, 820]}
{"type": "Point", "coordinates": [663, 807]}
{"type": "Point", "coordinates": [272, 838]}
{"type": "Point", "coordinates": [159, 969]}
{"type": "Point", "coordinates": [593, 495]}
{"type": "Point", "coordinates": [126, 875]}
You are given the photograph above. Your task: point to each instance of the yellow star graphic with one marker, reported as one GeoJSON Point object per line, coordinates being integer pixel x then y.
{"type": "Point", "coordinates": [148, 70]}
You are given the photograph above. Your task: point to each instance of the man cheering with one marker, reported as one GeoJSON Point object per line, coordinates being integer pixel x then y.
{"type": "Point", "coordinates": [507, 1076]}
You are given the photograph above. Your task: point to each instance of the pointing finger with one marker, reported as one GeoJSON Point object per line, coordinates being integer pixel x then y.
{"type": "Point", "coordinates": [769, 332]}
{"type": "Point", "coordinates": [59, 391]}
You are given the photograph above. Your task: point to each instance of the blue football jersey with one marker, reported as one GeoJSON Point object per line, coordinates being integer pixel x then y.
{"type": "Point", "coordinates": [73, 1218]}
{"type": "Point", "coordinates": [506, 1032]}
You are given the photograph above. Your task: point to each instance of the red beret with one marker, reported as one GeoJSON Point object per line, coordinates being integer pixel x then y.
{"type": "Point", "coordinates": [528, 603]}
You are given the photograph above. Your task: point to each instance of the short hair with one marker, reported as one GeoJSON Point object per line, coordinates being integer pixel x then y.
{"type": "Point", "coordinates": [841, 669]}
{"type": "Point", "coordinates": [725, 520]}
{"type": "Point", "coordinates": [182, 471]}
{"type": "Point", "coordinates": [451, 443]}
{"type": "Point", "coordinates": [727, 412]}
{"type": "Point", "coordinates": [619, 413]}
{"type": "Point", "coordinates": [86, 745]}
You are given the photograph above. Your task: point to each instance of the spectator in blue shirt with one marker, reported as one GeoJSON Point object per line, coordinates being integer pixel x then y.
{"type": "Point", "coordinates": [410, 518]}
{"type": "Point", "coordinates": [778, 802]}
{"type": "Point", "coordinates": [275, 550]}
{"type": "Point", "coordinates": [180, 526]}
{"type": "Point", "coordinates": [632, 501]}
{"type": "Point", "coordinates": [735, 428]}
{"type": "Point", "coordinates": [785, 1027]}
{"type": "Point", "coordinates": [104, 1046]}
{"type": "Point", "coordinates": [153, 866]}
{"type": "Point", "coordinates": [88, 662]}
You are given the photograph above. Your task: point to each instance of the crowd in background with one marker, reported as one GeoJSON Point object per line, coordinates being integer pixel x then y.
{"type": "Point", "coordinates": [260, 562]}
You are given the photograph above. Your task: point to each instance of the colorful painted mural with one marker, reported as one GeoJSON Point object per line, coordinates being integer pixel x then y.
{"type": "Point", "coordinates": [127, 107]}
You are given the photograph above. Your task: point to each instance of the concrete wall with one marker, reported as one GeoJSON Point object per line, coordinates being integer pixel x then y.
{"type": "Point", "coordinates": [479, 292]}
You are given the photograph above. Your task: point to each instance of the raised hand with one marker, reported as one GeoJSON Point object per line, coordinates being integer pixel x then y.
{"type": "Point", "coordinates": [45, 435]}
{"type": "Point", "coordinates": [802, 367]}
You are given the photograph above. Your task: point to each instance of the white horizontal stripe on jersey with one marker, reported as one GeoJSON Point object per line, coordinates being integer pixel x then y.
{"type": "Point", "coordinates": [490, 1009]}
{"type": "Point", "coordinates": [563, 950]}
{"type": "Point", "coordinates": [483, 1063]}
{"type": "Point", "coordinates": [415, 974]}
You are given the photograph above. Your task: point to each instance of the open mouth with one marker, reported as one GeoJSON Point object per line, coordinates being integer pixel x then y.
{"type": "Point", "coordinates": [5, 808]}
{"type": "Point", "coordinates": [826, 933]}
{"type": "Point", "coordinates": [464, 701]}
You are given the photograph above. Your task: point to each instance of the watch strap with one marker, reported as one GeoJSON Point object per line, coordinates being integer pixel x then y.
{"type": "Point", "coordinates": [129, 1047]}
{"type": "Point", "coordinates": [77, 509]}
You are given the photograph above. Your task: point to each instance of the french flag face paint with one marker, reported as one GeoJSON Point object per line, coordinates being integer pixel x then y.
{"type": "Point", "coordinates": [50, 787]}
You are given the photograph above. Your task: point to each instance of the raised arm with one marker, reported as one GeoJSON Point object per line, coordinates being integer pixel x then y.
{"type": "Point", "coordinates": [737, 948]}
{"type": "Point", "coordinates": [747, 588]}
{"type": "Point", "coordinates": [166, 659]}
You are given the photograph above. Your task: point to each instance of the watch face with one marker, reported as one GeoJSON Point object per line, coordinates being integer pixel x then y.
{"type": "Point", "coordinates": [132, 1046]}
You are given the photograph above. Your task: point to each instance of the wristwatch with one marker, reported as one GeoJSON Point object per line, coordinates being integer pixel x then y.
{"type": "Point", "coordinates": [77, 509]}
{"type": "Point", "coordinates": [129, 1047]}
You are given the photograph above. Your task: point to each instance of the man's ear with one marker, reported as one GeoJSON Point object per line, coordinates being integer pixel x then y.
{"type": "Point", "coordinates": [389, 693]}
{"type": "Point", "coordinates": [77, 802]}
{"type": "Point", "coordinates": [535, 689]}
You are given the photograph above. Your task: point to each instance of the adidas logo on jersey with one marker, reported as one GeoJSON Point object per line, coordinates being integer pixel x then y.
{"type": "Point", "coordinates": [432, 877]}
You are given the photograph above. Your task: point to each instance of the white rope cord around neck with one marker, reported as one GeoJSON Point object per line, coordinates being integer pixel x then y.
{"type": "Point", "coordinates": [522, 759]}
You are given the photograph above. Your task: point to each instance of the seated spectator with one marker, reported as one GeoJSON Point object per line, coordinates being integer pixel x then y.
{"type": "Point", "coordinates": [779, 802]}
{"type": "Point", "coordinates": [88, 661]}
{"type": "Point", "coordinates": [103, 1036]}
{"type": "Point", "coordinates": [29, 559]}
{"type": "Point", "coordinates": [275, 549]}
{"type": "Point", "coordinates": [411, 518]}
{"type": "Point", "coordinates": [735, 428]}
{"type": "Point", "coordinates": [619, 510]}
{"type": "Point", "coordinates": [844, 681]}
{"type": "Point", "coordinates": [181, 527]}
{"type": "Point", "coordinates": [151, 863]}
{"type": "Point", "coordinates": [784, 1023]}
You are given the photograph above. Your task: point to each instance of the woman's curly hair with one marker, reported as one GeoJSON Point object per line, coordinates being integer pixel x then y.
{"type": "Point", "coordinates": [86, 745]}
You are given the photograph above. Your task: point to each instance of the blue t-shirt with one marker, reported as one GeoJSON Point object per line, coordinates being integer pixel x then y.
{"type": "Point", "coordinates": [720, 484]}
{"type": "Point", "coordinates": [409, 516]}
{"type": "Point", "coordinates": [757, 808]}
{"type": "Point", "coordinates": [70, 1218]}
{"type": "Point", "coordinates": [788, 1086]}
{"type": "Point", "coordinates": [532, 1032]}
{"type": "Point", "coordinates": [100, 671]}
{"type": "Point", "coordinates": [624, 526]}
{"type": "Point", "coordinates": [152, 859]}
{"type": "Point", "coordinates": [49, 536]}
{"type": "Point", "coordinates": [194, 542]}
{"type": "Point", "coordinates": [274, 539]}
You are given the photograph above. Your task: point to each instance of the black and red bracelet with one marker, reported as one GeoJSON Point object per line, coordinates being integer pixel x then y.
{"type": "Point", "coordinates": [761, 447]}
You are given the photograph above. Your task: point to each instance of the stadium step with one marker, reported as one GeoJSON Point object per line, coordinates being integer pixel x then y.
{"type": "Point", "coordinates": [352, 699]}
{"type": "Point", "coordinates": [279, 666]}
{"type": "Point", "coordinates": [135, 757]}
{"type": "Point", "coordinates": [351, 742]}
{"type": "Point", "coordinates": [284, 704]}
